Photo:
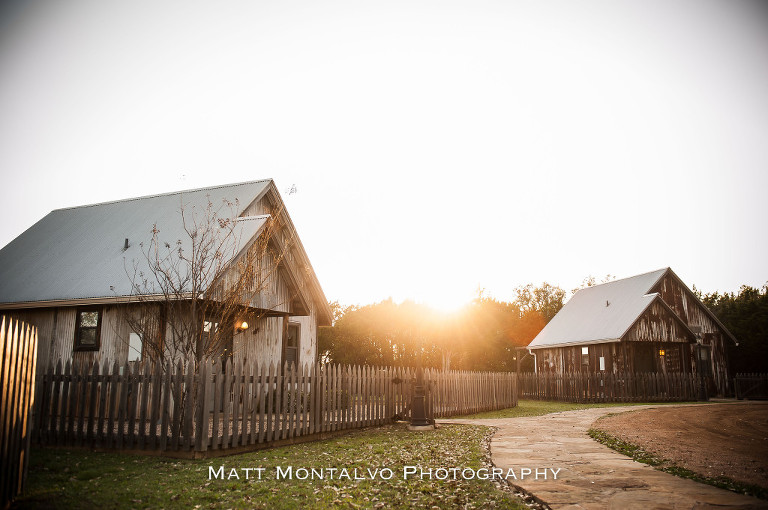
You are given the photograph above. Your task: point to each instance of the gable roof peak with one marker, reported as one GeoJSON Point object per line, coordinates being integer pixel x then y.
{"type": "Point", "coordinates": [168, 194]}
{"type": "Point", "coordinates": [651, 276]}
{"type": "Point", "coordinates": [601, 312]}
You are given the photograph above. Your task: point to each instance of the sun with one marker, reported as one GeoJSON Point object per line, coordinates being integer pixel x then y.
{"type": "Point", "coordinates": [444, 297]}
{"type": "Point", "coordinates": [446, 304]}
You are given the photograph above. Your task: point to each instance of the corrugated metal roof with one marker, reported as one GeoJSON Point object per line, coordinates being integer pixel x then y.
{"type": "Point", "coordinates": [585, 318]}
{"type": "Point", "coordinates": [77, 253]}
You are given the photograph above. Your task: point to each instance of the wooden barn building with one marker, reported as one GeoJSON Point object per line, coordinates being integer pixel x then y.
{"type": "Point", "coordinates": [70, 275]}
{"type": "Point", "coordinates": [647, 323]}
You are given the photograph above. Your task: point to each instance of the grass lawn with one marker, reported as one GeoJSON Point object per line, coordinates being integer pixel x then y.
{"type": "Point", "coordinates": [60, 478]}
{"type": "Point", "coordinates": [73, 478]}
{"type": "Point", "coordinates": [540, 407]}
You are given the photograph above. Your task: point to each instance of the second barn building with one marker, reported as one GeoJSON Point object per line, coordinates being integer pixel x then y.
{"type": "Point", "coordinates": [647, 323]}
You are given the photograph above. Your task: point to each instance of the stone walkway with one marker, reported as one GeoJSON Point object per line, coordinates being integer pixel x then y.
{"type": "Point", "coordinates": [592, 476]}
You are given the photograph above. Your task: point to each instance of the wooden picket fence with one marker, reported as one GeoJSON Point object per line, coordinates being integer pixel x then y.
{"type": "Point", "coordinates": [18, 356]}
{"type": "Point", "coordinates": [176, 411]}
{"type": "Point", "coordinates": [583, 387]}
{"type": "Point", "coordinates": [456, 393]}
{"type": "Point", "coordinates": [751, 386]}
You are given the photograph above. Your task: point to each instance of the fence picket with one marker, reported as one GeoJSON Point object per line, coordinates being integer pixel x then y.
{"type": "Point", "coordinates": [217, 376]}
{"type": "Point", "coordinates": [110, 435]}
{"type": "Point", "coordinates": [236, 390]}
{"type": "Point", "coordinates": [246, 427]}
{"type": "Point", "coordinates": [144, 392]}
{"type": "Point", "coordinates": [165, 406]}
{"type": "Point", "coordinates": [55, 413]}
{"type": "Point", "coordinates": [189, 408]}
{"type": "Point", "coordinates": [284, 402]}
{"type": "Point", "coordinates": [202, 407]}
{"type": "Point", "coordinates": [262, 402]}
{"type": "Point", "coordinates": [177, 406]}
{"type": "Point", "coordinates": [226, 437]}
{"type": "Point", "coordinates": [271, 408]}
{"type": "Point", "coordinates": [92, 401]}
{"type": "Point", "coordinates": [243, 404]}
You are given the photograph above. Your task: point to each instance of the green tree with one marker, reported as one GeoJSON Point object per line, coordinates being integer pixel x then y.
{"type": "Point", "coordinates": [745, 314]}
{"type": "Point", "coordinates": [482, 336]}
{"type": "Point", "coordinates": [546, 299]}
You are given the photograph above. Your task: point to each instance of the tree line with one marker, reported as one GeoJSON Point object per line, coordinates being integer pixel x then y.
{"type": "Point", "coordinates": [745, 315]}
{"type": "Point", "coordinates": [483, 335]}
{"type": "Point", "coordinates": [488, 333]}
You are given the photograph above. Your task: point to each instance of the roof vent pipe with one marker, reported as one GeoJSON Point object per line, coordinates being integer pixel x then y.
{"type": "Point", "coordinates": [125, 247]}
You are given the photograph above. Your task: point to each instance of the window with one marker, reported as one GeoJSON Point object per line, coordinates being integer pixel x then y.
{"type": "Point", "coordinates": [135, 346]}
{"type": "Point", "coordinates": [291, 344]}
{"type": "Point", "coordinates": [88, 329]}
{"type": "Point", "coordinates": [585, 355]}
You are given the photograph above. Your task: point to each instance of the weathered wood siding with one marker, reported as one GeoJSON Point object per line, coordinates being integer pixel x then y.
{"type": "Point", "coordinates": [570, 359]}
{"type": "Point", "coordinates": [308, 341]}
{"type": "Point", "coordinates": [261, 343]}
{"type": "Point", "coordinates": [656, 324]}
{"type": "Point", "coordinates": [56, 335]}
{"type": "Point", "coordinates": [618, 357]}
{"type": "Point", "coordinates": [695, 315]}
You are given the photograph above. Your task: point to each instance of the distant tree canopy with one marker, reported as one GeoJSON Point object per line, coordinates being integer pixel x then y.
{"type": "Point", "coordinates": [746, 316]}
{"type": "Point", "coordinates": [482, 336]}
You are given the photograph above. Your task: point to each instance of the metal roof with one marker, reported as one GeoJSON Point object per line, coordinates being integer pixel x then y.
{"type": "Point", "coordinates": [601, 313]}
{"type": "Point", "coordinates": [78, 253]}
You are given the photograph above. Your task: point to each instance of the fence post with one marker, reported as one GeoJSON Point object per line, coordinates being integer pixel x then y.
{"type": "Point", "coordinates": [165, 405]}
{"type": "Point", "coordinates": [270, 410]}
{"type": "Point", "coordinates": [202, 407]}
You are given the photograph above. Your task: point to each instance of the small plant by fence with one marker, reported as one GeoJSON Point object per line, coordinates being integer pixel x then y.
{"type": "Point", "coordinates": [177, 411]}
{"type": "Point", "coordinates": [18, 354]}
{"type": "Point", "coordinates": [582, 387]}
{"type": "Point", "coordinates": [751, 386]}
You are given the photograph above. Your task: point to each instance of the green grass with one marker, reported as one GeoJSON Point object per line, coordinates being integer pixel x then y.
{"type": "Point", "coordinates": [71, 478]}
{"type": "Point", "coordinates": [640, 455]}
{"type": "Point", "coordinates": [540, 407]}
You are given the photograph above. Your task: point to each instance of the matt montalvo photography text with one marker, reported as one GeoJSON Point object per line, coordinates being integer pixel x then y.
{"type": "Point", "coordinates": [407, 472]}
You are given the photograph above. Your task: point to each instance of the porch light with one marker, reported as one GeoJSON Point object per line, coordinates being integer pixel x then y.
{"type": "Point", "coordinates": [662, 352]}
{"type": "Point", "coordinates": [242, 326]}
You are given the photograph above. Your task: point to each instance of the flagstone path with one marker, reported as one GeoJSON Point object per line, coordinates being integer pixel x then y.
{"type": "Point", "coordinates": [593, 476]}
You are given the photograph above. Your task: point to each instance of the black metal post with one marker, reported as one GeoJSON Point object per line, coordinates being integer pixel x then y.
{"type": "Point", "coordinates": [418, 405]}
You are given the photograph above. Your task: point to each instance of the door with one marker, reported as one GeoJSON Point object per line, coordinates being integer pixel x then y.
{"type": "Point", "coordinates": [644, 361]}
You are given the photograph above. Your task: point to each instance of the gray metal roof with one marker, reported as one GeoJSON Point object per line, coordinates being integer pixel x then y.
{"type": "Point", "coordinates": [77, 253]}
{"type": "Point", "coordinates": [585, 318]}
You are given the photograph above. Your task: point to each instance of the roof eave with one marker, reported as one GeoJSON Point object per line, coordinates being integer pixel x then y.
{"type": "Point", "coordinates": [709, 312]}
{"type": "Point", "coordinates": [657, 297]}
{"type": "Point", "coordinates": [577, 342]}
{"type": "Point", "coordinates": [104, 300]}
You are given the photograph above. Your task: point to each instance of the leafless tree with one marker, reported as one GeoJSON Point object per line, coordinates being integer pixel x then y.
{"type": "Point", "coordinates": [189, 295]}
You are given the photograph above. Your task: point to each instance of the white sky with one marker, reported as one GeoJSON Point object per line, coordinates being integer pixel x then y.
{"type": "Point", "coordinates": [435, 146]}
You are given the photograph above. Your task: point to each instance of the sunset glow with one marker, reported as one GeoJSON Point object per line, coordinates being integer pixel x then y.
{"type": "Point", "coordinates": [423, 151]}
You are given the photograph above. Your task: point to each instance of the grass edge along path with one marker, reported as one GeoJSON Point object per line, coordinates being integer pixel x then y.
{"type": "Point", "coordinates": [638, 454]}
{"type": "Point", "coordinates": [75, 478]}
{"type": "Point", "coordinates": [527, 408]}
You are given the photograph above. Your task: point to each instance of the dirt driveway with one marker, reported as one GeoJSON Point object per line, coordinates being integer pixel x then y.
{"type": "Point", "coordinates": [712, 439]}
